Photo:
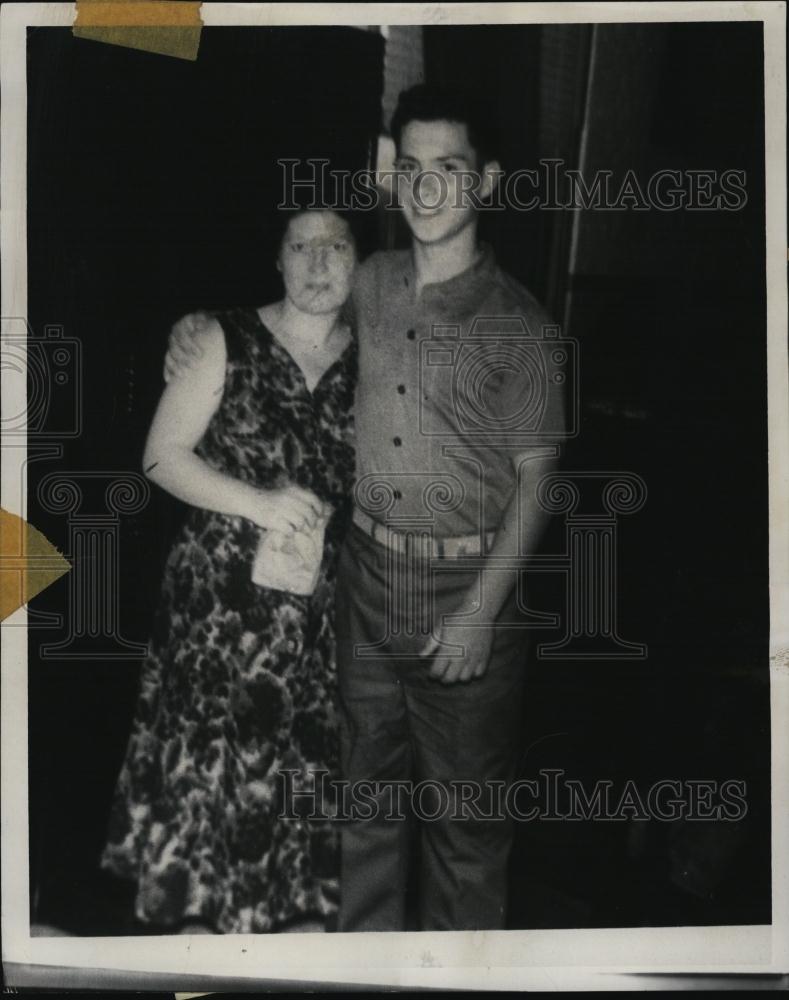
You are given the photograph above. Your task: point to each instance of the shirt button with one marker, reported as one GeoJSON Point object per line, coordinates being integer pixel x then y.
{"type": "Point", "coordinates": [411, 334]}
{"type": "Point", "coordinates": [401, 389]}
{"type": "Point", "coordinates": [397, 442]}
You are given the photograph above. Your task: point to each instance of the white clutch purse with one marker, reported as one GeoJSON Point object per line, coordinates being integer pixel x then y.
{"type": "Point", "coordinates": [290, 562]}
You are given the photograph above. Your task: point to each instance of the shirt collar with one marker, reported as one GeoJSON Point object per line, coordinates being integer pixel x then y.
{"type": "Point", "coordinates": [461, 292]}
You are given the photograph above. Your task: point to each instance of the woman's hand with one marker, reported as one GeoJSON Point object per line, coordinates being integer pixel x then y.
{"type": "Point", "coordinates": [284, 510]}
{"type": "Point", "coordinates": [184, 349]}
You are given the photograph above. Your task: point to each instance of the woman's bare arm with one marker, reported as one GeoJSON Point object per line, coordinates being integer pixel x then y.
{"type": "Point", "coordinates": [185, 410]}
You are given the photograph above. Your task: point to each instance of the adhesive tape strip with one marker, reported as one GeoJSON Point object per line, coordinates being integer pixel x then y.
{"type": "Point", "coordinates": [28, 563]}
{"type": "Point", "coordinates": [167, 27]}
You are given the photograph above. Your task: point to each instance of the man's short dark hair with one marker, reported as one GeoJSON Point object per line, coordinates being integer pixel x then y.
{"type": "Point", "coordinates": [425, 103]}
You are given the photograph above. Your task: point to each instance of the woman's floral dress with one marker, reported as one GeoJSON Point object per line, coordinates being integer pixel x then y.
{"type": "Point", "coordinates": [236, 713]}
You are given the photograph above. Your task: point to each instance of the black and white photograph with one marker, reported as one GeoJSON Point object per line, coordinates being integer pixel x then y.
{"type": "Point", "coordinates": [394, 452]}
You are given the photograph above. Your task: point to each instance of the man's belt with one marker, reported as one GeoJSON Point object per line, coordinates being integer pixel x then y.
{"type": "Point", "coordinates": [407, 542]}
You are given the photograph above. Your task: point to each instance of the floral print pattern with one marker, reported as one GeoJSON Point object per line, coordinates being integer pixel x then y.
{"type": "Point", "coordinates": [240, 682]}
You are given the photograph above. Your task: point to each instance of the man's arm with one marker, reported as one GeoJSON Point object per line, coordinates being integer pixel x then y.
{"type": "Point", "coordinates": [521, 528]}
{"type": "Point", "coordinates": [185, 345]}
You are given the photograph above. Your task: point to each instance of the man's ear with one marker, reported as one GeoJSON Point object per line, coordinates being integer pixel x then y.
{"type": "Point", "coordinates": [491, 174]}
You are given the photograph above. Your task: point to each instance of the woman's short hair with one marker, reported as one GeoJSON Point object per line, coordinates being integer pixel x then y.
{"type": "Point", "coordinates": [285, 216]}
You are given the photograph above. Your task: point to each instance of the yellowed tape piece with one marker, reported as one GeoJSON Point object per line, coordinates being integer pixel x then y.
{"type": "Point", "coordinates": [28, 563]}
{"type": "Point", "coordinates": [167, 27]}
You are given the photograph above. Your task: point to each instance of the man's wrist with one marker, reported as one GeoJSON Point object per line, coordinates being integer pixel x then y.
{"type": "Point", "coordinates": [494, 590]}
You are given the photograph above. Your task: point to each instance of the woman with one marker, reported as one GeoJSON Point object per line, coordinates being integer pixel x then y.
{"type": "Point", "coordinates": [239, 684]}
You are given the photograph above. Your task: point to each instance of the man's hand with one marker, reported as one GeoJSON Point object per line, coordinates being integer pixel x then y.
{"type": "Point", "coordinates": [183, 346]}
{"type": "Point", "coordinates": [476, 641]}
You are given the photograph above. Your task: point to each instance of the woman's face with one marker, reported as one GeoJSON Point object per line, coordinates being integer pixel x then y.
{"type": "Point", "coordinates": [317, 260]}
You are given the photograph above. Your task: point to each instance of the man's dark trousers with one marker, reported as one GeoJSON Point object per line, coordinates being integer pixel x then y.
{"type": "Point", "coordinates": [398, 724]}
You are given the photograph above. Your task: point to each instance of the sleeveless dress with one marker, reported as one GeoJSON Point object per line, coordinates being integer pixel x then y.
{"type": "Point", "coordinates": [236, 715]}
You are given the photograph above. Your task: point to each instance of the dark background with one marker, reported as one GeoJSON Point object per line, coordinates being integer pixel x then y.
{"type": "Point", "coordinates": [151, 187]}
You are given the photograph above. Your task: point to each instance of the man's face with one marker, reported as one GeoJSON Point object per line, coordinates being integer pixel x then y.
{"type": "Point", "coordinates": [317, 260]}
{"type": "Point", "coordinates": [434, 163]}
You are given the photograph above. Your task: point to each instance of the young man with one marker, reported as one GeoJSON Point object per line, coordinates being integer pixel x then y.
{"type": "Point", "coordinates": [430, 665]}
